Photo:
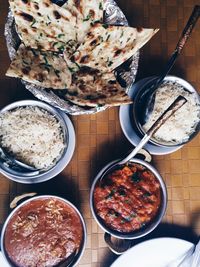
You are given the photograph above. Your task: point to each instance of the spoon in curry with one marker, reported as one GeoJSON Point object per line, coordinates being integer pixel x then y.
{"type": "Point", "coordinates": [147, 99]}
{"type": "Point", "coordinates": [177, 104]}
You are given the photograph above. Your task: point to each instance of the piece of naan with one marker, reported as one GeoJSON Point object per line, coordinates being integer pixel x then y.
{"type": "Point", "coordinates": [44, 25]}
{"type": "Point", "coordinates": [106, 47]}
{"type": "Point", "coordinates": [87, 12]}
{"type": "Point", "coordinates": [91, 88]}
{"type": "Point", "coordinates": [45, 69]}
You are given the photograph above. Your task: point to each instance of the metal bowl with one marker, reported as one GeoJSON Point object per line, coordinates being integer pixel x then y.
{"type": "Point", "coordinates": [69, 139]}
{"type": "Point", "coordinates": [76, 258]}
{"type": "Point", "coordinates": [138, 103]}
{"type": "Point", "coordinates": [151, 225]}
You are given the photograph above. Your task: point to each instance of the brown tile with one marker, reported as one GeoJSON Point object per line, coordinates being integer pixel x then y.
{"type": "Point", "coordinates": [88, 242]}
{"type": "Point", "coordinates": [93, 140]}
{"type": "Point", "coordinates": [103, 116]}
{"type": "Point", "coordinates": [102, 127]}
{"type": "Point", "coordinates": [195, 193]}
{"type": "Point", "coordinates": [169, 193]}
{"type": "Point", "coordinates": [186, 180]}
{"type": "Point", "coordinates": [94, 255]}
{"type": "Point", "coordinates": [86, 210]}
{"type": "Point", "coordinates": [194, 179]}
{"type": "Point", "coordinates": [4, 202]}
{"type": "Point", "coordinates": [87, 258]}
{"type": "Point", "coordinates": [84, 153]}
{"type": "Point", "coordinates": [102, 242]}
{"type": "Point", "coordinates": [177, 180]}
{"type": "Point", "coordinates": [176, 155]}
{"type": "Point", "coordinates": [111, 114]}
{"type": "Point", "coordinates": [177, 193]}
{"type": "Point", "coordinates": [195, 206]}
{"type": "Point", "coordinates": [83, 127]}
{"type": "Point", "coordinates": [83, 140]}
{"type": "Point", "coordinates": [94, 226]}
{"type": "Point", "coordinates": [194, 153]}
{"type": "Point", "coordinates": [95, 241]}
{"type": "Point", "coordinates": [178, 207]}
{"type": "Point", "coordinates": [84, 168]}
{"type": "Point", "coordinates": [180, 219]}
{"type": "Point", "coordinates": [83, 183]}
{"type": "Point", "coordinates": [176, 166]}
{"type": "Point", "coordinates": [194, 166]}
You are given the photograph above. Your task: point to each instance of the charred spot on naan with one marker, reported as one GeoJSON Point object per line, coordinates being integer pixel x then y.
{"type": "Point", "coordinates": [92, 88]}
{"type": "Point", "coordinates": [46, 24]}
{"type": "Point", "coordinates": [108, 46]}
{"type": "Point", "coordinates": [46, 69]}
{"type": "Point", "coordinates": [26, 16]}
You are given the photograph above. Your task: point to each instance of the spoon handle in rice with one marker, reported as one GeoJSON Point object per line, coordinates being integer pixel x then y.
{"type": "Point", "coordinates": [178, 103]}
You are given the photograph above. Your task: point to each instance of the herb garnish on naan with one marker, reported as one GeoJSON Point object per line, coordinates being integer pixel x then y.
{"type": "Point", "coordinates": [87, 12]}
{"type": "Point", "coordinates": [106, 46]}
{"type": "Point", "coordinates": [44, 25]}
{"type": "Point", "coordinates": [46, 69]}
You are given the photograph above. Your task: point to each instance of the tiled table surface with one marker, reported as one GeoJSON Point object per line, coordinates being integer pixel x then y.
{"type": "Point", "coordinates": [100, 139]}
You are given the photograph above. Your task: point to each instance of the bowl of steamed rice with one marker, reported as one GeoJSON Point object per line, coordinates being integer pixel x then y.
{"type": "Point", "coordinates": [38, 135]}
{"type": "Point", "coordinates": [183, 125]}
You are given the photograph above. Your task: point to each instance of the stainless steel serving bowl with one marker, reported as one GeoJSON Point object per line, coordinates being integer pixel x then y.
{"type": "Point", "coordinates": [69, 139]}
{"type": "Point", "coordinates": [138, 103]}
{"type": "Point", "coordinates": [76, 258]}
{"type": "Point", "coordinates": [150, 226]}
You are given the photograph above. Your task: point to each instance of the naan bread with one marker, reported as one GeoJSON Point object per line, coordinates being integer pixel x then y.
{"type": "Point", "coordinates": [46, 69]}
{"type": "Point", "coordinates": [91, 88]}
{"type": "Point", "coordinates": [106, 47]}
{"type": "Point", "coordinates": [44, 25]}
{"type": "Point", "coordinates": [87, 12]}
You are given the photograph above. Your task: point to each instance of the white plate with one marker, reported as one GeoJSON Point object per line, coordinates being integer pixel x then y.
{"type": "Point", "coordinates": [2, 261]}
{"type": "Point", "coordinates": [129, 129]}
{"type": "Point", "coordinates": [153, 253]}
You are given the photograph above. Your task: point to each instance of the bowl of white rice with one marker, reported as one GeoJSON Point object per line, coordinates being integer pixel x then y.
{"type": "Point", "coordinates": [38, 135]}
{"type": "Point", "coordinates": [184, 125]}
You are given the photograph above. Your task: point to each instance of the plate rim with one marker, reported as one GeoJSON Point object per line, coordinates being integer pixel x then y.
{"type": "Point", "coordinates": [144, 243]}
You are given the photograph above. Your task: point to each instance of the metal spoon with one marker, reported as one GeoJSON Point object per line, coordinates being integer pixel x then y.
{"type": "Point", "coordinates": [10, 160]}
{"type": "Point", "coordinates": [148, 97]}
{"type": "Point", "coordinates": [177, 104]}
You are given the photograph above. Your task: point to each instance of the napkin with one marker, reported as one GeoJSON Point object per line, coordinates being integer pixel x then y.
{"type": "Point", "coordinates": [192, 258]}
{"type": "Point", "coordinates": [195, 257]}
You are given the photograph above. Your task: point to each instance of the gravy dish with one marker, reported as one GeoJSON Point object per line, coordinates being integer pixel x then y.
{"type": "Point", "coordinates": [45, 231]}
{"type": "Point", "coordinates": [128, 198]}
{"type": "Point", "coordinates": [129, 202]}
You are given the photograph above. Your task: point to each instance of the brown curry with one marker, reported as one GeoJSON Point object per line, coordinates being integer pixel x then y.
{"type": "Point", "coordinates": [43, 232]}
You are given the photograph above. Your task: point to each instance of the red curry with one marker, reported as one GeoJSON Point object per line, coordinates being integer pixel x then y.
{"type": "Point", "coordinates": [128, 198]}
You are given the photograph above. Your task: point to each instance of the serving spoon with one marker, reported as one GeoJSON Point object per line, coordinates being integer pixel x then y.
{"type": "Point", "coordinates": [148, 97]}
{"type": "Point", "coordinates": [177, 104]}
{"type": "Point", "coordinates": [12, 161]}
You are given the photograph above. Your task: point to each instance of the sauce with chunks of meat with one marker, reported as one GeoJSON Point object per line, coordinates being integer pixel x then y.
{"type": "Point", "coordinates": [128, 198]}
{"type": "Point", "coordinates": [43, 233]}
